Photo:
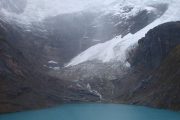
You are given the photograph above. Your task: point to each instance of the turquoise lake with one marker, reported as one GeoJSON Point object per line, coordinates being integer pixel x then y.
{"type": "Point", "coordinates": [94, 112]}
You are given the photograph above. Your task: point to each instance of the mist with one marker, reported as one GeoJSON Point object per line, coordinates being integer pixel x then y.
{"type": "Point", "coordinates": [36, 10]}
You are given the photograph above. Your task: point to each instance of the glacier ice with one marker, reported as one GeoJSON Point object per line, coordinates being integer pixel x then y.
{"type": "Point", "coordinates": [115, 49]}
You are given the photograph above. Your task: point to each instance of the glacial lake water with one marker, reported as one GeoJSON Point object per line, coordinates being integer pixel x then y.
{"type": "Point", "coordinates": [94, 112]}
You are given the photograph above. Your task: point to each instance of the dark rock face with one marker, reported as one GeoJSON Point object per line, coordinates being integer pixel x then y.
{"type": "Point", "coordinates": [169, 75]}
{"type": "Point", "coordinates": [157, 44]}
{"type": "Point", "coordinates": [158, 55]}
{"type": "Point", "coordinates": [18, 83]}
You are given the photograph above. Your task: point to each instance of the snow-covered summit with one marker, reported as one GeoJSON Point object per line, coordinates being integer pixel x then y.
{"type": "Point", "coordinates": [116, 49]}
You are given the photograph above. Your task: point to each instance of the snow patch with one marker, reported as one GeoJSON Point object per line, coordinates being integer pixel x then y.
{"type": "Point", "coordinates": [94, 91]}
{"type": "Point", "coordinates": [52, 62]}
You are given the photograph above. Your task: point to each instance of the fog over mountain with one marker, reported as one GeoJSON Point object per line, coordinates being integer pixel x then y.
{"type": "Point", "coordinates": [33, 10]}
{"type": "Point", "coordinates": [64, 51]}
{"type": "Point", "coordinates": [37, 10]}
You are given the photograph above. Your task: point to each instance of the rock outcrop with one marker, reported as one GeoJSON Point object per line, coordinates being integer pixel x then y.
{"type": "Point", "coordinates": [158, 54]}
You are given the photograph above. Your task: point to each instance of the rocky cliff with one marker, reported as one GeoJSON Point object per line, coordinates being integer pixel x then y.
{"type": "Point", "coordinates": [158, 53]}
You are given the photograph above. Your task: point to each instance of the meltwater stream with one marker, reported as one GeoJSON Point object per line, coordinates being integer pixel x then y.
{"type": "Point", "coordinates": [94, 112]}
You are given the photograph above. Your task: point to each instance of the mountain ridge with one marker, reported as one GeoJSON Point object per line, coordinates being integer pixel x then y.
{"type": "Point", "coordinates": [143, 38]}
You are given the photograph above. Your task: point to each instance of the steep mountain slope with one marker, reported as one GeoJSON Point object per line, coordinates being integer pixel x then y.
{"type": "Point", "coordinates": [24, 85]}
{"type": "Point", "coordinates": [71, 37]}
{"type": "Point", "coordinates": [141, 82]}
{"type": "Point", "coordinates": [15, 76]}
{"type": "Point", "coordinates": [156, 45]}
{"type": "Point", "coordinates": [162, 87]}
{"type": "Point", "coordinates": [168, 77]}
{"type": "Point", "coordinates": [132, 58]}
{"type": "Point", "coordinates": [74, 33]}
{"type": "Point", "coordinates": [115, 49]}
{"type": "Point", "coordinates": [158, 53]}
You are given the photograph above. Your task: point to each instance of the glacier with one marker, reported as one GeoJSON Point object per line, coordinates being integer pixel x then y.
{"type": "Point", "coordinates": [112, 50]}
{"type": "Point", "coordinates": [117, 48]}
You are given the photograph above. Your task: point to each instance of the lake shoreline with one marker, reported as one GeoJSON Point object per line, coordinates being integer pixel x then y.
{"type": "Point", "coordinates": [94, 111]}
{"type": "Point", "coordinates": [82, 103]}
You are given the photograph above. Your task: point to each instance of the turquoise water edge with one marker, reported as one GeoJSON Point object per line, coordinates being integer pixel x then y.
{"type": "Point", "coordinates": [94, 112]}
